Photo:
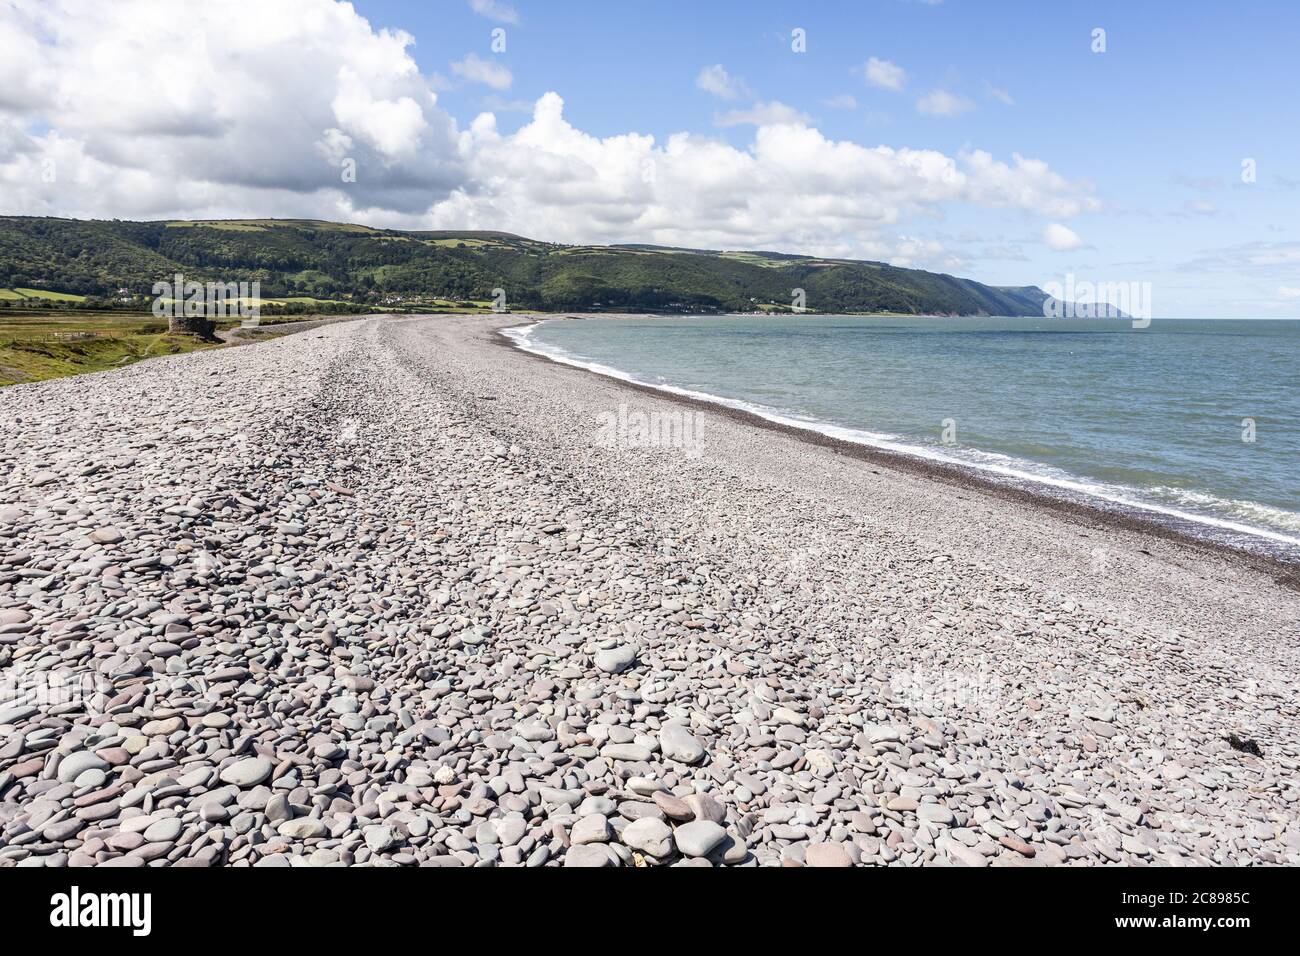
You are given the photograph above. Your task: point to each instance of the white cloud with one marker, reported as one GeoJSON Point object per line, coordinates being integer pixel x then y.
{"type": "Point", "coordinates": [943, 103]}
{"type": "Point", "coordinates": [886, 75]}
{"type": "Point", "coordinates": [1028, 184]}
{"type": "Point", "coordinates": [1264, 259]}
{"type": "Point", "coordinates": [911, 253]}
{"type": "Point", "coordinates": [792, 188]}
{"type": "Point", "coordinates": [999, 94]}
{"type": "Point", "coordinates": [717, 81]}
{"type": "Point", "coordinates": [845, 101]}
{"type": "Point", "coordinates": [140, 124]}
{"type": "Point", "coordinates": [499, 104]}
{"type": "Point", "coordinates": [764, 114]}
{"type": "Point", "coordinates": [259, 127]}
{"type": "Point", "coordinates": [1061, 238]}
{"type": "Point", "coordinates": [478, 70]}
{"type": "Point", "coordinates": [1289, 292]}
{"type": "Point", "coordinates": [495, 10]}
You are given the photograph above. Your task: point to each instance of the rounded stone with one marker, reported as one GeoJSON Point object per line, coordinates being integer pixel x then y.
{"type": "Point", "coordinates": [590, 829]}
{"type": "Point", "coordinates": [678, 743]}
{"type": "Point", "coordinates": [649, 835]}
{"type": "Point", "coordinates": [589, 855]}
{"type": "Point", "coordinates": [699, 837]}
{"type": "Point", "coordinates": [248, 772]}
{"type": "Point", "coordinates": [827, 854]}
{"type": "Point", "coordinates": [303, 828]}
{"type": "Point", "coordinates": [75, 764]}
{"type": "Point", "coordinates": [163, 831]}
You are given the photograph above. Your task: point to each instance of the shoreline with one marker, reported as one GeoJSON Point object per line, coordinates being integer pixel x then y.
{"type": "Point", "coordinates": [531, 647]}
{"type": "Point", "coordinates": [1282, 562]}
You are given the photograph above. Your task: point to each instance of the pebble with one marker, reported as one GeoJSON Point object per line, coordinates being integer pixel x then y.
{"type": "Point", "coordinates": [677, 743]}
{"type": "Point", "coordinates": [935, 813]}
{"type": "Point", "coordinates": [616, 660]}
{"type": "Point", "coordinates": [163, 831]}
{"type": "Point", "coordinates": [649, 835]}
{"type": "Point", "coordinates": [307, 828]}
{"type": "Point", "coordinates": [699, 837]}
{"type": "Point", "coordinates": [75, 764]}
{"type": "Point", "coordinates": [380, 838]}
{"type": "Point", "coordinates": [590, 829]}
{"type": "Point", "coordinates": [673, 807]}
{"type": "Point", "coordinates": [827, 854]}
{"type": "Point", "coordinates": [589, 855]}
{"type": "Point", "coordinates": [285, 646]}
{"type": "Point", "coordinates": [248, 772]}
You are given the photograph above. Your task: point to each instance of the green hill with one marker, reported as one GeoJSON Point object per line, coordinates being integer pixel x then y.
{"type": "Point", "coordinates": [357, 264]}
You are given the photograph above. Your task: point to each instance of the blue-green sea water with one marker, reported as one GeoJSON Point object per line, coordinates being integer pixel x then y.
{"type": "Point", "coordinates": [1194, 420]}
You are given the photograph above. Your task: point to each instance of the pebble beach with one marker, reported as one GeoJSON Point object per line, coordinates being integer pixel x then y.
{"type": "Point", "coordinates": [392, 592]}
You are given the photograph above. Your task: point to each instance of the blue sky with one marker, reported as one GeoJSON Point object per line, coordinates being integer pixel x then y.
{"type": "Point", "coordinates": [980, 138]}
{"type": "Point", "coordinates": [1159, 124]}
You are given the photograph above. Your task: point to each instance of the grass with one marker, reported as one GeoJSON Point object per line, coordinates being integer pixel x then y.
{"type": "Point", "coordinates": [261, 225]}
{"type": "Point", "coordinates": [454, 305]}
{"type": "Point", "coordinates": [754, 258]}
{"type": "Point", "coordinates": [35, 348]}
{"type": "Point", "coordinates": [467, 243]}
{"type": "Point", "coordinates": [309, 300]}
{"type": "Point", "coordinates": [261, 301]}
{"type": "Point", "coordinates": [38, 345]}
{"type": "Point", "coordinates": [14, 294]}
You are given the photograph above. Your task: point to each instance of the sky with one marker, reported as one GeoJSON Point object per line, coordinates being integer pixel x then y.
{"type": "Point", "coordinates": [1009, 142]}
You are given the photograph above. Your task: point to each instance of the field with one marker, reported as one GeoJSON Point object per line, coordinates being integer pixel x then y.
{"type": "Point", "coordinates": [19, 294]}
{"type": "Point", "coordinates": [41, 345]}
{"type": "Point", "coordinates": [260, 301]}
{"type": "Point", "coordinates": [262, 225]}
{"type": "Point", "coordinates": [33, 348]}
{"type": "Point", "coordinates": [390, 269]}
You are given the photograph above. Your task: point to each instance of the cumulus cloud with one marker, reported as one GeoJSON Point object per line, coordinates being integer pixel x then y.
{"type": "Point", "coordinates": [844, 101]}
{"type": "Point", "coordinates": [793, 187]}
{"type": "Point", "coordinates": [1263, 259]}
{"type": "Point", "coordinates": [764, 114]}
{"type": "Point", "coordinates": [138, 123]}
{"type": "Point", "coordinates": [999, 94]}
{"type": "Point", "coordinates": [1061, 238]}
{"type": "Point", "coordinates": [943, 103]}
{"type": "Point", "coordinates": [495, 10]}
{"type": "Point", "coordinates": [717, 81]}
{"type": "Point", "coordinates": [886, 75]}
{"type": "Point", "coordinates": [260, 127]}
{"type": "Point", "coordinates": [478, 70]}
{"type": "Point", "coordinates": [909, 252]}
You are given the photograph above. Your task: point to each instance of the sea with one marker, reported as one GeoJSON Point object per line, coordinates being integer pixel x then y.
{"type": "Point", "coordinates": [1193, 422]}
